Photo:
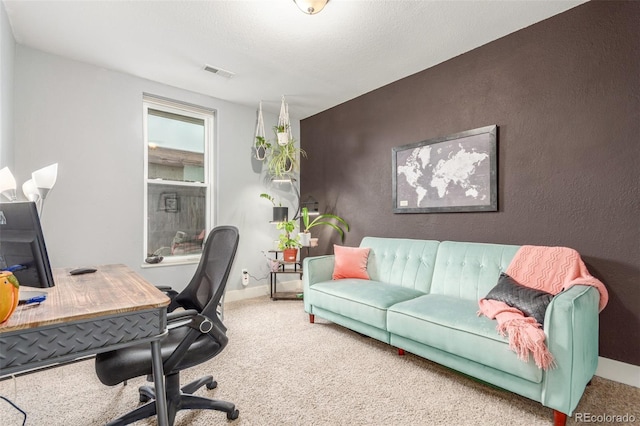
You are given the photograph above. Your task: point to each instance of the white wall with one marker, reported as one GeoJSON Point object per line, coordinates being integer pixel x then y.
{"type": "Point", "coordinates": [89, 120]}
{"type": "Point", "coordinates": [7, 50]}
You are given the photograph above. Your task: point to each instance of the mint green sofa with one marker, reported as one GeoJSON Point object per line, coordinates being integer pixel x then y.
{"type": "Point", "coordinates": [423, 298]}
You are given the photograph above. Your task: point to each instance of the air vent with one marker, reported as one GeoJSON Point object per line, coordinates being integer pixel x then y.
{"type": "Point", "coordinates": [219, 71]}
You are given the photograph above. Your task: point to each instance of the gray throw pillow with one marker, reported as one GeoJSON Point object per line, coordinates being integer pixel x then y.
{"type": "Point", "coordinates": [531, 302]}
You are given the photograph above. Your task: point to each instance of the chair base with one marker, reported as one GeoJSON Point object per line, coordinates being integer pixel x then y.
{"type": "Point", "coordinates": [177, 399]}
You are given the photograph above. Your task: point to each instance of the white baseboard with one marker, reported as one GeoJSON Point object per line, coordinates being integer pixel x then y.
{"type": "Point", "coordinates": [262, 290]}
{"type": "Point", "coordinates": [618, 371]}
{"type": "Point", "coordinates": [607, 368]}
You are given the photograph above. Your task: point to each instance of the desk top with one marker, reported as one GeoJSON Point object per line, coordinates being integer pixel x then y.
{"type": "Point", "coordinates": [113, 289]}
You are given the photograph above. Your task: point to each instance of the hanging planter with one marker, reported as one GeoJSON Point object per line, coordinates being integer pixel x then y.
{"type": "Point", "coordinates": [283, 136]}
{"type": "Point", "coordinates": [261, 144]}
{"type": "Point", "coordinates": [283, 129]}
{"type": "Point", "coordinates": [284, 160]}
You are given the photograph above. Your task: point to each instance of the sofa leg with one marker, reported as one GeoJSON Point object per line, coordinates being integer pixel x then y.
{"type": "Point", "coordinates": [559, 419]}
{"type": "Point", "coordinates": [400, 352]}
{"type": "Point", "coordinates": [312, 318]}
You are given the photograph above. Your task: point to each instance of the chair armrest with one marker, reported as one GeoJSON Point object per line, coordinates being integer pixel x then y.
{"type": "Point", "coordinates": [179, 318]}
{"type": "Point", "coordinates": [199, 324]}
{"type": "Point", "coordinates": [316, 269]}
{"type": "Point", "coordinates": [169, 291]}
{"type": "Point", "coordinates": [571, 328]}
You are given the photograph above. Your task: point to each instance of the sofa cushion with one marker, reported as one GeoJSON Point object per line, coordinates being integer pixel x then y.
{"type": "Point", "coordinates": [350, 262]}
{"type": "Point", "coordinates": [469, 270]}
{"type": "Point", "coordinates": [404, 262]}
{"type": "Point", "coordinates": [451, 324]}
{"type": "Point", "coordinates": [362, 300]}
{"type": "Point", "coordinates": [530, 301]}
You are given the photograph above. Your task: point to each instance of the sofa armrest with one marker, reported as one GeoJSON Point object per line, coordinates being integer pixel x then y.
{"type": "Point", "coordinates": [571, 326]}
{"type": "Point", "coordinates": [316, 269]}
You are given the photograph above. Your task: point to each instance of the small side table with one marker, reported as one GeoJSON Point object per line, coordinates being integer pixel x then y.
{"type": "Point", "coordinates": [284, 268]}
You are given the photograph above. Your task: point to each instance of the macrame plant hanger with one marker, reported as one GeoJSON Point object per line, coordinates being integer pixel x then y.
{"type": "Point", "coordinates": [261, 141]}
{"type": "Point", "coordinates": [284, 125]}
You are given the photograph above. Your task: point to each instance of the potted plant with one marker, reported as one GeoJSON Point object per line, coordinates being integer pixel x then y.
{"type": "Point", "coordinates": [282, 133]}
{"type": "Point", "coordinates": [284, 159]}
{"type": "Point", "coordinates": [280, 214]}
{"type": "Point", "coordinates": [305, 237]}
{"type": "Point", "coordinates": [286, 243]}
{"type": "Point", "coordinates": [262, 147]}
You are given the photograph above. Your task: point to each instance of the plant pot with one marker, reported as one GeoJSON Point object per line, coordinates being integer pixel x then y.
{"type": "Point", "coordinates": [280, 214]}
{"type": "Point", "coordinates": [283, 138]}
{"type": "Point", "coordinates": [305, 238]}
{"type": "Point", "coordinates": [290, 254]}
{"type": "Point", "coordinates": [261, 152]}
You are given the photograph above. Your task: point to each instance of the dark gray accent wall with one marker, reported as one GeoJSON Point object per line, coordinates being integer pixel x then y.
{"type": "Point", "coordinates": [565, 94]}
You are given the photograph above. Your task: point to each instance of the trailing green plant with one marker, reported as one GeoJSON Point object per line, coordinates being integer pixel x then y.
{"type": "Point", "coordinates": [321, 220]}
{"type": "Point", "coordinates": [270, 198]}
{"type": "Point", "coordinates": [284, 159]}
{"type": "Point", "coordinates": [285, 241]}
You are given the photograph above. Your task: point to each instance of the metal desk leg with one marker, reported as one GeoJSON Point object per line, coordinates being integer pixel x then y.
{"type": "Point", "coordinates": [158, 380]}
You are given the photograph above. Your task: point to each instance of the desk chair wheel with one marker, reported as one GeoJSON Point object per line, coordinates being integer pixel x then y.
{"type": "Point", "coordinates": [147, 393]}
{"type": "Point", "coordinates": [233, 415]}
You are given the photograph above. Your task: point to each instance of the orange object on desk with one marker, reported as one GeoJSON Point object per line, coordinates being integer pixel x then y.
{"type": "Point", "coordinates": [9, 295]}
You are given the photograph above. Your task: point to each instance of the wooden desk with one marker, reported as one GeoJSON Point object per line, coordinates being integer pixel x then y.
{"type": "Point", "coordinates": [85, 315]}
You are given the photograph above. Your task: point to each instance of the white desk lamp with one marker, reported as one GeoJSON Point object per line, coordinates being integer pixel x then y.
{"type": "Point", "coordinates": [44, 179]}
{"type": "Point", "coordinates": [35, 189]}
{"type": "Point", "coordinates": [7, 184]}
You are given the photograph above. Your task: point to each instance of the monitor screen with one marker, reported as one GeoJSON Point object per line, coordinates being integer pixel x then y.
{"type": "Point", "coordinates": [22, 246]}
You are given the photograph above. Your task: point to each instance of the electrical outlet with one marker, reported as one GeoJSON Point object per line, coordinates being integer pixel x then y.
{"type": "Point", "coordinates": [245, 277]}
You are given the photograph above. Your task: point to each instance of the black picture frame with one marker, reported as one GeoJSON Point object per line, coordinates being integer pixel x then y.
{"type": "Point", "coordinates": [169, 202]}
{"type": "Point", "coordinates": [454, 173]}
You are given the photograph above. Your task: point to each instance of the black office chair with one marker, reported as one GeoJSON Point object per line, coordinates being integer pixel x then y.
{"type": "Point", "coordinates": [196, 334]}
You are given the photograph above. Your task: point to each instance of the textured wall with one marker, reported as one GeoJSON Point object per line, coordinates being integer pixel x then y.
{"type": "Point", "coordinates": [565, 95]}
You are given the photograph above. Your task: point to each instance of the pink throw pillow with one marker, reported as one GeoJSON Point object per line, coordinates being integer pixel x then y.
{"type": "Point", "coordinates": [350, 262]}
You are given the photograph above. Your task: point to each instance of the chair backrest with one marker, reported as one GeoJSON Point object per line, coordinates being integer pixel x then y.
{"type": "Point", "coordinates": [206, 288]}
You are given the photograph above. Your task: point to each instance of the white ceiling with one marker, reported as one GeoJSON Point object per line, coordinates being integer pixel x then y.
{"type": "Point", "coordinates": [350, 48]}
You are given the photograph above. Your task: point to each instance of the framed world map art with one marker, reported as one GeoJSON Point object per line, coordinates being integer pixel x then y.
{"type": "Point", "coordinates": [455, 173]}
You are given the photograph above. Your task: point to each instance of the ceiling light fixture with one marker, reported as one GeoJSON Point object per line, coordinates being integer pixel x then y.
{"type": "Point", "coordinates": [311, 7]}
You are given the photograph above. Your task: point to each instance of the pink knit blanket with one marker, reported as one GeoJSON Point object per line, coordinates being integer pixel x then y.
{"type": "Point", "coordinates": [551, 269]}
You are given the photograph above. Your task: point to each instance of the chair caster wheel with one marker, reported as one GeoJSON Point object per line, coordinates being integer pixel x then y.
{"type": "Point", "coordinates": [144, 398]}
{"type": "Point", "coordinates": [212, 385]}
{"type": "Point", "coordinates": [233, 415]}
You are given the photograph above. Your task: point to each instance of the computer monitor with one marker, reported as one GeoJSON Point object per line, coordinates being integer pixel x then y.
{"type": "Point", "coordinates": [22, 244]}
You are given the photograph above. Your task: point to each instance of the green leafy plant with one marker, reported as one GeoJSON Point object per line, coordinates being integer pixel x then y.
{"type": "Point", "coordinates": [271, 199]}
{"type": "Point", "coordinates": [284, 159]}
{"type": "Point", "coordinates": [261, 141]}
{"type": "Point", "coordinates": [321, 220]}
{"type": "Point", "coordinates": [285, 241]}
{"type": "Point", "coordinates": [280, 128]}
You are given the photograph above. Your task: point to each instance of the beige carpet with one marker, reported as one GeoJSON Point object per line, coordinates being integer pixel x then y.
{"type": "Point", "coordinates": [280, 370]}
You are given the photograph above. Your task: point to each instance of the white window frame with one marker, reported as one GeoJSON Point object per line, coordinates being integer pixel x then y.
{"type": "Point", "coordinates": [209, 118]}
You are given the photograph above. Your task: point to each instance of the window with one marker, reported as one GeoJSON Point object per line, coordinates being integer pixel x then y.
{"type": "Point", "coordinates": [178, 145]}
